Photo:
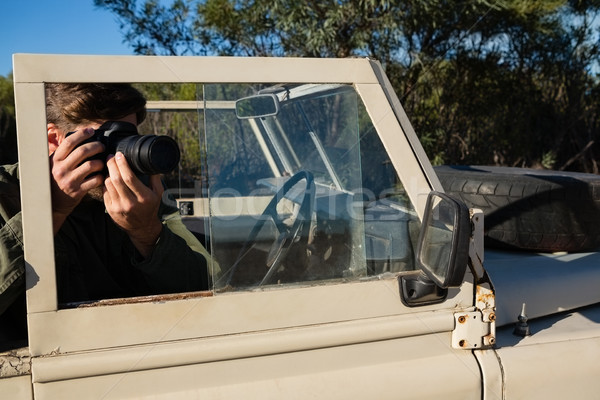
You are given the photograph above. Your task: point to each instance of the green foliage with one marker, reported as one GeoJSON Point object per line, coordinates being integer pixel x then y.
{"type": "Point", "coordinates": [182, 126]}
{"type": "Point", "coordinates": [7, 96]}
{"type": "Point", "coordinates": [8, 125]}
{"type": "Point", "coordinates": [153, 28]}
{"type": "Point", "coordinates": [505, 82]}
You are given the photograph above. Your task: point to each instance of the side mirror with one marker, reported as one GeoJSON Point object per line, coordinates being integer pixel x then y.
{"type": "Point", "coordinates": [261, 105]}
{"type": "Point", "coordinates": [442, 251]}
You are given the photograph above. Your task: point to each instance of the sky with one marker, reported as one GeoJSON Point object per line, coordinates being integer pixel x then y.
{"type": "Point", "coordinates": [57, 27]}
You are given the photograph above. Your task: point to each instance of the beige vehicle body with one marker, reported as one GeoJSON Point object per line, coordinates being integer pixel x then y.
{"type": "Point", "coordinates": [357, 334]}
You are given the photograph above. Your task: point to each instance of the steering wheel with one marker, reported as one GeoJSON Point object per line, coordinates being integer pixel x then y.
{"type": "Point", "coordinates": [288, 231]}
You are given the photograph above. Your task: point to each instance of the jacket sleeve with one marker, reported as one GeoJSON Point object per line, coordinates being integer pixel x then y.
{"type": "Point", "coordinates": [12, 264]}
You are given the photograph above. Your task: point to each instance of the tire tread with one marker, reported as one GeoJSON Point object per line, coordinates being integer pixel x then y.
{"type": "Point", "coordinates": [529, 209]}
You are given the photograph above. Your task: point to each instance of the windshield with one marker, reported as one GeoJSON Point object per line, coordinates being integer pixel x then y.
{"type": "Point", "coordinates": [302, 190]}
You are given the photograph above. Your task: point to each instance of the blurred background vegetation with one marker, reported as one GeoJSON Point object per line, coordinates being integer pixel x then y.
{"type": "Point", "coordinates": [504, 82]}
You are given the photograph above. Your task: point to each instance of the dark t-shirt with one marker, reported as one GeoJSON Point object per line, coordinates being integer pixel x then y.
{"type": "Point", "coordinates": [96, 260]}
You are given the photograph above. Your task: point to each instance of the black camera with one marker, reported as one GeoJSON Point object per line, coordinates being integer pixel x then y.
{"type": "Point", "coordinates": [145, 154]}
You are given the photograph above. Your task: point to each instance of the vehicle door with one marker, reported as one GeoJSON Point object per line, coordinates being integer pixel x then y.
{"type": "Point", "coordinates": [311, 206]}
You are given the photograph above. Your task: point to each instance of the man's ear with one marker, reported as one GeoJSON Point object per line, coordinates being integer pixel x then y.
{"type": "Point", "coordinates": [55, 137]}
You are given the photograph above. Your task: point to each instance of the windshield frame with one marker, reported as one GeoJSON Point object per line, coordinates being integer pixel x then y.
{"type": "Point", "coordinates": [31, 72]}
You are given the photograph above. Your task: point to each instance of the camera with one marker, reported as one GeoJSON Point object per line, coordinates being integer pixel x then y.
{"type": "Point", "coordinates": [145, 154]}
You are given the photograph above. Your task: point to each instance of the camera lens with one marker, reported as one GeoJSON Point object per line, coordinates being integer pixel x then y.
{"type": "Point", "coordinates": [150, 154]}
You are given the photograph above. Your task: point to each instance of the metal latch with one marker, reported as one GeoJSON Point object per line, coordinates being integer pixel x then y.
{"type": "Point", "coordinates": [474, 330]}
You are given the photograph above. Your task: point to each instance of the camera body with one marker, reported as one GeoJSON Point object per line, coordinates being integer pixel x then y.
{"type": "Point", "coordinates": [145, 154]}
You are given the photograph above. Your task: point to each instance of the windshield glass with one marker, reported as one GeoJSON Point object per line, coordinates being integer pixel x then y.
{"type": "Point", "coordinates": [302, 190]}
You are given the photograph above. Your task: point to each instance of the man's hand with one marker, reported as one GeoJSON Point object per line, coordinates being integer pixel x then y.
{"type": "Point", "coordinates": [70, 173]}
{"type": "Point", "coordinates": [132, 205]}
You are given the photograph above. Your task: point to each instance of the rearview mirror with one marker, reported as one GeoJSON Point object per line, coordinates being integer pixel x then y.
{"type": "Point", "coordinates": [442, 251]}
{"type": "Point", "coordinates": [262, 105]}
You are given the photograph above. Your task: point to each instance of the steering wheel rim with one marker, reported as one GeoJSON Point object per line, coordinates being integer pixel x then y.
{"type": "Point", "coordinates": [286, 236]}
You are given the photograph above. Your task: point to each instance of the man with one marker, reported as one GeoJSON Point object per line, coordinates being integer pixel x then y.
{"type": "Point", "coordinates": [114, 237]}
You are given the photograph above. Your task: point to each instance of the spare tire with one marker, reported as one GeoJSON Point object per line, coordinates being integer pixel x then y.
{"type": "Point", "coordinates": [539, 210]}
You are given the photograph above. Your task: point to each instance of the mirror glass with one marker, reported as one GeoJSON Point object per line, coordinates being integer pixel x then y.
{"type": "Point", "coordinates": [437, 240]}
{"type": "Point", "coordinates": [262, 105]}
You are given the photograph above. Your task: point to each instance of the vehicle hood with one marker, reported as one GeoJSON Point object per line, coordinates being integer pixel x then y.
{"type": "Point", "coordinates": [545, 283]}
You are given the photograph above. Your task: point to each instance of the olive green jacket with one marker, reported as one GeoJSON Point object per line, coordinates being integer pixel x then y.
{"type": "Point", "coordinates": [12, 264]}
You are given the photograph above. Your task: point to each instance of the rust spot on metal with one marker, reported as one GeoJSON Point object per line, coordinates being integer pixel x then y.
{"type": "Point", "coordinates": [462, 319]}
{"type": "Point", "coordinates": [492, 317]}
{"type": "Point", "coordinates": [462, 343]}
{"type": "Point", "coordinates": [161, 298]}
{"type": "Point", "coordinates": [484, 296]}
{"type": "Point", "coordinates": [489, 340]}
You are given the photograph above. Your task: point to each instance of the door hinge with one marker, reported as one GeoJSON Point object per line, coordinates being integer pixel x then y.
{"type": "Point", "coordinates": [474, 330]}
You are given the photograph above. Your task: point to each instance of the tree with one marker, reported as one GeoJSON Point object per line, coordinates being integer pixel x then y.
{"type": "Point", "coordinates": [8, 124]}
{"type": "Point", "coordinates": [511, 82]}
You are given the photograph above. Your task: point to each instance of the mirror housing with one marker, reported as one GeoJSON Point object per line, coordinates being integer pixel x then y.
{"type": "Point", "coordinates": [442, 251]}
{"type": "Point", "coordinates": [258, 106]}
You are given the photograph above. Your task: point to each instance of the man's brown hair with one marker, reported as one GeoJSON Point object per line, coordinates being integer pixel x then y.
{"type": "Point", "coordinates": [71, 104]}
